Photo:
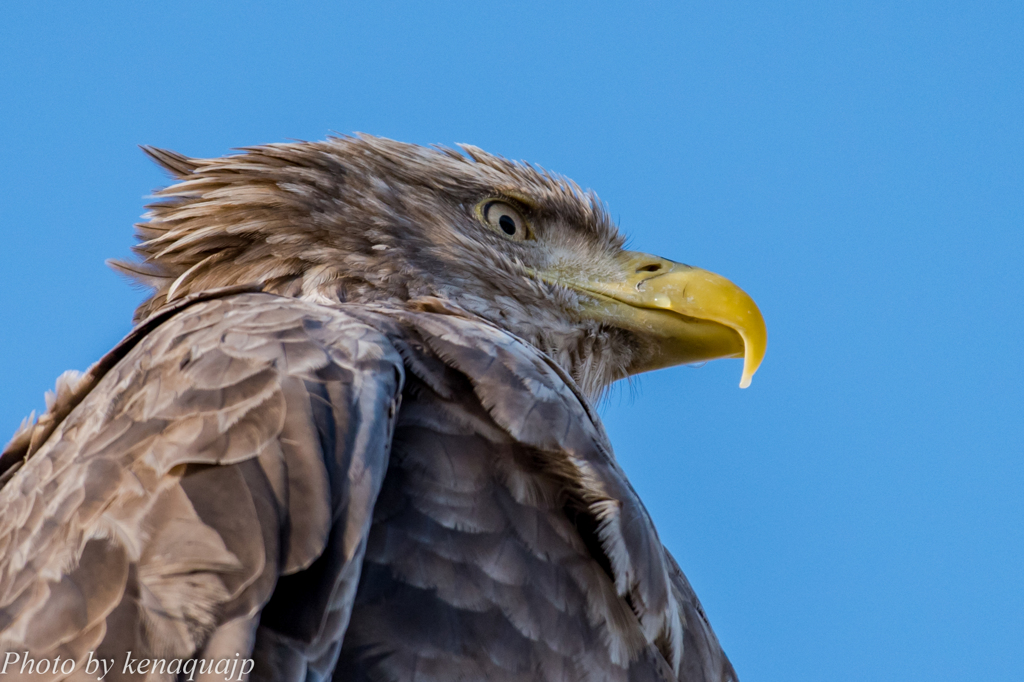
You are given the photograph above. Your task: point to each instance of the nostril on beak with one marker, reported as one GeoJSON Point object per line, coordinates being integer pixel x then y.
{"type": "Point", "coordinates": [653, 267]}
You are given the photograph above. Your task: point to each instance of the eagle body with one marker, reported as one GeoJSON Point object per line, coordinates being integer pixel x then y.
{"type": "Point", "coordinates": [312, 456]}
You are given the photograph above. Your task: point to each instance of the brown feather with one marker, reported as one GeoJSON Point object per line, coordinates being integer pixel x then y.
{"type": "Point", "coordinates": [384, 467]}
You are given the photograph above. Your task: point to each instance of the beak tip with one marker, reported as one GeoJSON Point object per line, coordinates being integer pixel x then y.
{"type": "Point", "coordinates": [755, 343]}
{"type": "Point", "coordinates": [750, 369]}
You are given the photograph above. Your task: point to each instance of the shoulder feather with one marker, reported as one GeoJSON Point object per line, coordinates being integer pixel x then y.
{"type": "Point", "coordinates": [225, 459]}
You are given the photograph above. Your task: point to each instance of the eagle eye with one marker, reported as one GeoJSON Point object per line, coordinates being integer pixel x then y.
{"type": "Point", "coordinates": [504, 218]}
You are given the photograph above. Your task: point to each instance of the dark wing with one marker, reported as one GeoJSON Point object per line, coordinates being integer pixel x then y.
{"type": "Point", "coordinates": [493, 551]}
{"type": "Point", "coordinates": [703, 658]}
{"type": "Point", "coordinates": [209, 497]}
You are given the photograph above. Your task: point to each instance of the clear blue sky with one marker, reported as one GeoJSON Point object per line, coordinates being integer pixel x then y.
{"type": "Point", "coordinates": [858, 167]}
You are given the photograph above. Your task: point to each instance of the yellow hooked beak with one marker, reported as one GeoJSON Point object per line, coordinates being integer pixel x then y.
{"type": "Point", "coordinates": [689, 314]}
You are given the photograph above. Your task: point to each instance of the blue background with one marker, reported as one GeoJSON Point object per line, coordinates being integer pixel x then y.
{"type": "Point", "coordinates": [857, 167]}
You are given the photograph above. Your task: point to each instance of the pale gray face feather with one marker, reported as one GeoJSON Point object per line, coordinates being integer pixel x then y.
{"type": "Point", "coordinates": [366, 219]}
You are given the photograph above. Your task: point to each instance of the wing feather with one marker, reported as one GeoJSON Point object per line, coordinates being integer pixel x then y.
{"type": "Point", "coordinates": [537, 405]}
{"type": "Point", "coordinates": [228, 457]}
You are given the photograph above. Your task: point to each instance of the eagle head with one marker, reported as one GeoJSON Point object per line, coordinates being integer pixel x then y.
{"type": "Point", "coordinates": [370, 220]}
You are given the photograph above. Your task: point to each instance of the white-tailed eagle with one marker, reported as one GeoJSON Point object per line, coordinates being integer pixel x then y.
{"type": "Point", "coordinates": [350, 436]}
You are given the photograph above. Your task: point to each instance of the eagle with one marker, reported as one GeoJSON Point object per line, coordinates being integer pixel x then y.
{"type": "Point", "coordinates": [351, 436]}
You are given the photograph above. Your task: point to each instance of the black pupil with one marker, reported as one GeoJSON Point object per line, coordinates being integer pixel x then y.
{"type": "Point", "coordinates": [507, 224]}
